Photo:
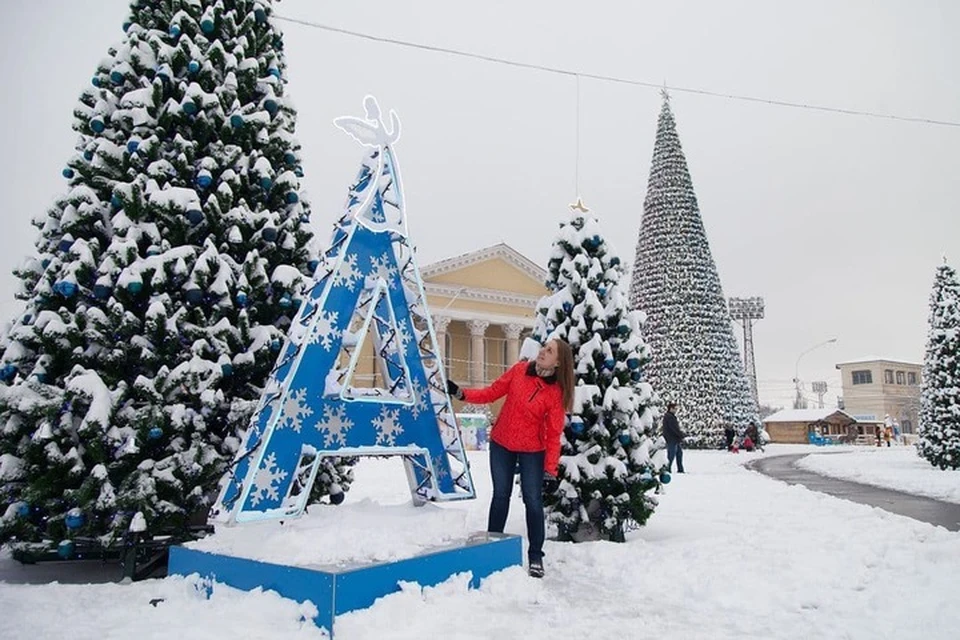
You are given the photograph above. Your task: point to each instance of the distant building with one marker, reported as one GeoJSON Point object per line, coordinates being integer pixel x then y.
{"type": "Point", "coordinates": [876, 388]}
{"type": "Point", "coordinates": [794, 426]}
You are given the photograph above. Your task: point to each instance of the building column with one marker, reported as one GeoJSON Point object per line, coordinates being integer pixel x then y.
{"type": "Point", "coordinates": [478, 359]}
{"type": "Point", "coordinates": [440, 324]}
{"type": "Point", "coordinates": [512, 332]}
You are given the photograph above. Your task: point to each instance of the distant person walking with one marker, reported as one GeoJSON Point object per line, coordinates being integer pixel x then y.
{"type": "Point", "coordinates": [674, 437]}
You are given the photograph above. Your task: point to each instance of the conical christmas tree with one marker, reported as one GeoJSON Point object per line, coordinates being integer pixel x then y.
{"type": "Point", "coordinates": [164, 281]}
{"type": "Point", "coordinates": [696, 362]}
{"type": "Point", "coordinates": [939, 428]}
{"type": "Point", "coordinates": [610, 460]}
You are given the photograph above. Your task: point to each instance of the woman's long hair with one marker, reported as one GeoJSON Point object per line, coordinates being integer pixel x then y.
{"type": "Point", "coordinates": [565, 377]}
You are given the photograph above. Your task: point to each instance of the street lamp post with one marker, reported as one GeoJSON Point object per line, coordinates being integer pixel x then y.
{"type": "Point", "coordinates": [799, 402]}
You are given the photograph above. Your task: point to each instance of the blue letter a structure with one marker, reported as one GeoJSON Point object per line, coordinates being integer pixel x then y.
{"type": "Point", "coordinates": [359, 373]}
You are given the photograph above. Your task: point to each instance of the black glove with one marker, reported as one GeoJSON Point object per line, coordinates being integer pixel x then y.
{"type": "Point", "coordinates": [550, 483]}
{"type": "Point", "coordinates": [454, 390]}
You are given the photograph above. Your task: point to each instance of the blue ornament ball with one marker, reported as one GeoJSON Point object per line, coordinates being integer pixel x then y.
{"type": "Point", "coordinates": [623, 329]}
{"type": "Point", "coordinates": [337, 498]}
{"type": "Point", "coordinates": [290, 157]}
{"type": "Point", "coordinates": [275, 72]}
{"type": "Point", "coordinates": [266, 183]}
{"type": "Point", "coordinates": [116, 77]}
{"type": "Point", "coordinates": [635, 376]}
{"type": "Point", "coordinates": [97, 124]}
{"type": "Point", "coordinates": [115, 201]}
{"type": "Point", "coordinates": [65, 549]}
{"type": "Point", "coordinates": [577, 426]}
{"type": "Point", "coordinates": [155, 433]}
{"type": "Point", "coordinates": [633, 363]}
{"type": "Point", "coordinates": [133, 145]}
{"type": "Point", "coordinates": [174, 30]}
{"type": "Point", "coordinates": [313, 264]}
{"type": "Point", "coordinates": [609, 363]}
{"type": "Point", "coordinates": [207, 25]}
{"type": "Point", "coordinates": [23, 510]}
{"type": "Point", "coordinates": [88, 155]}
{"type": "Point", "coordinates": [241, 298]}
{"type": "Point", "coordinates": [614, 261]}
{"type": "Point", "coordinates": [625, 438]}
{"type": "Point", "coordinates": [601, 291]}
{"type": "Point", "coordinates": [135, 286]}
{"type": "Point", "coordinates": [226, 369]}
{"type": "Point", "coordinates": [65, 243]}
{"type": "Point", "coordinates": [260, 15]}
{"type": "Point", "coordinates": [126, 27]}
{"type": "Point", "coordinates": [236, 121]}
{"type": "Point", "coordinates": [195, 216]}
{"type": "Point", "coordinates": [95, 81]}
{"type": "Point", "coordinates": [189, 107]}
{"type": "Point", "coordinates": [101, 291]}
{"type": "Point", "coordinates": [567, 307]}
{"type": "Point", "coordinates": [74, 519]}
{"type": "Point", "coordinates": [204, 180]}
{"type": "Point", "coordinates": [665, 477]}
{"type": "Point", "coordinates": [67, 172]}
{"type": "Point", "coordinates": [275, 345]}
{"type": "Point", "coordinates": [8, 372]}
{"type": "Point", "coordinates": [193, 66]}
{"type": "Point", "coordinates": [66, 289]}
{"type": "Point", "coordinates": [271, 106]}
{"type": "Point", "coordinates": [298, 172]}
{"type": "Point", "coordinates": [270, 234]}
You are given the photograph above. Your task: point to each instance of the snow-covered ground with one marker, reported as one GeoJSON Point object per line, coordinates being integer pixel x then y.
{"type": "Point", "coordinates": [729, 554]}
{"type": "Point", "coordinates": [896, 467]}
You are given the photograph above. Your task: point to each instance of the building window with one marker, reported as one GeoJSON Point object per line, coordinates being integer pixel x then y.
{"type": "Point", "coordinates": [862, 377]}
{"type": "Point", "coordinates": [901, 377]}
{"type": "Point", "coordinates": [911, 377]}
{"type": "Point", "coordinates": [888, 376]}
{"type": "Point", "coordinates": [906, 426]}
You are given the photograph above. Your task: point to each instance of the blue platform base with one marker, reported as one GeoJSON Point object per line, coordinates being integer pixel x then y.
{"type": "Point", "coordinates": [336, 590]}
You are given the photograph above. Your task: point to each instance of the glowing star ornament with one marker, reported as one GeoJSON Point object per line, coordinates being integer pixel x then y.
{"type": "Point", "coordinates": [328, 396]}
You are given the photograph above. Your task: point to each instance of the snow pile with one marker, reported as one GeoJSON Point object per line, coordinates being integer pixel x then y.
{"type": "Point", "coordinates": [329, 535]}
{"type": "Point", "coordinates": [896, 468]}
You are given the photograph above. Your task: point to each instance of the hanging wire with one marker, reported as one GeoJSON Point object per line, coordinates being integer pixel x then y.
{"type": "Point", "coordinates": [607, 78]}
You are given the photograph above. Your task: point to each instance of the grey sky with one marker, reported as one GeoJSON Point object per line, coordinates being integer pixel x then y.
{"type": "Point", "coordinates": [838, 221]}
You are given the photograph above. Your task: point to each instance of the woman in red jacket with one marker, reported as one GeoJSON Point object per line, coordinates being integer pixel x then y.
{"type": "Point", "coordinates": [527, 431]}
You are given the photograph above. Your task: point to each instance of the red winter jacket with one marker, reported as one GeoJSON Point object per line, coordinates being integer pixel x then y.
{"type": "Point", "coordinates": [532, 416]}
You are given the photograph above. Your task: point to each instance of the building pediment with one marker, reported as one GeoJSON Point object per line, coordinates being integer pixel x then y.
{"type": "Point", "coordinates": [499, 269]}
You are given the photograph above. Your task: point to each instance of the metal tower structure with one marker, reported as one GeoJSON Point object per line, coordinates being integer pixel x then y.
{"type": "Point", "coordinates": [819, 388]}
{"type": "Point", "coordinates": [745, 311]}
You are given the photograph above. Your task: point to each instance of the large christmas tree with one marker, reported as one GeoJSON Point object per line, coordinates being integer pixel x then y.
{"type": "Point", "coordinates": [610, 460]}
{"type": "Point", "coordinates": [939, 428]}
{"type": "Point", "coordinates": [164, 281]}
{"type": "Point", "coordinates": [695, 358]}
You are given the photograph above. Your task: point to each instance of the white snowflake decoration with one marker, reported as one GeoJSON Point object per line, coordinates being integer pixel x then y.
{"type": "Point", "coordinates": [439, 468]}
{"type": "Point", "coordinates": [421, 400]}
{"type": "Point", "coordinates": [263, 483]}
{"type": "Point", "coordinates": [403, 335]}
{"type": "Point", "coordinates": [347, 275]}
{"type": "Point", "coordinates": [388, 426]}
{"type": "Point", "coordinates": [325, 330]}
{"type": "Point", "coordinates": [335, 425]}
{"type": "Point", "coordinates": [295, 409]}
{"type": "Point", "coordinates": [384, 267]}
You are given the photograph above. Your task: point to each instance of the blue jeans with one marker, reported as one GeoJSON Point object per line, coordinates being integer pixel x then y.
{"type": "Point", "coordinates": [503, 462]}
{"type": "Point", "coordinates": [674, 450]}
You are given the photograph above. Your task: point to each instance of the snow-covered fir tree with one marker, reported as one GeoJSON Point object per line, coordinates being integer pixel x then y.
{"type": "Point", "coordinates": [939, 427]}
{"type": "Point", "coordinates": [696, 362]}
{"type": "Point", "coordinates": [611, 461]}
{"type": "Point", "coordinates": [164, 279]}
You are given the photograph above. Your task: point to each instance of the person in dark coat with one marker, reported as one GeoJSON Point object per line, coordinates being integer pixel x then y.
{"type": "Point", "coordinates": [728, 434]}
{"type": "Point", "coordinates": [674, 437]}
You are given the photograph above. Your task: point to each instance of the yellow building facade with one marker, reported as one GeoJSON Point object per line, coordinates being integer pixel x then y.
{"type": "Point", "coordinates": [482, 305]}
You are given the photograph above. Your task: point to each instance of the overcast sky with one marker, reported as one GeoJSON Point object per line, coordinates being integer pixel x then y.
{"type": "Point", "coordinates": [837, 221]}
